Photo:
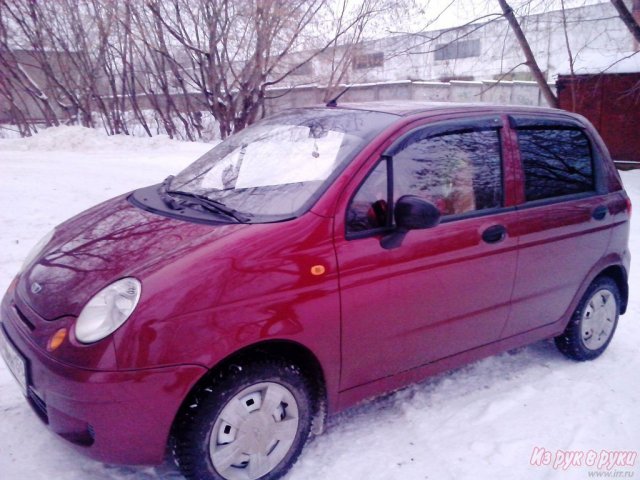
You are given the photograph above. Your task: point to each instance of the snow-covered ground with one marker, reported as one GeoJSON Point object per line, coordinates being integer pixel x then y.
{"type": "Point", "coordinates": [483, 421]}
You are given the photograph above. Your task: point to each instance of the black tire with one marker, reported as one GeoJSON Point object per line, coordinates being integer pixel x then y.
{"type": "Point", "coordinates": [201, 425]}
{"type": "Point", "coordinates": [599, 306]}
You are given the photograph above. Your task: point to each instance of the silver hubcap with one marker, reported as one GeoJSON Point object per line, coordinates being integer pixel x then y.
{"type": "Point", "coordinates": [598, 319]}
{"type": "Point", "coordinates": [254, 432]}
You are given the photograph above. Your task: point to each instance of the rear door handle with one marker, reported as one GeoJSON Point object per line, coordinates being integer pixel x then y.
{"type": "Point", "coordinates": [494, 234]}
{"type": "Point", "coordinates": [599, 212]}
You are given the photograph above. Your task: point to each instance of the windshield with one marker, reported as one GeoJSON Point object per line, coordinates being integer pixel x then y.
{"type": "Point", "coordinates": [276, 168]}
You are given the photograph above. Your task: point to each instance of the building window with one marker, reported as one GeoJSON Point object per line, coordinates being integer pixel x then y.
{"type": "Point", "coordinates": [522, 76]}
{"type": "Point", "coordinates": [304, 69]}
{"type": "Point", "coordinates": [458, 49]}
{"type": "Point", "coordinates": [368, 60]}
{"type": "Point", "coordinates": [460, 78]}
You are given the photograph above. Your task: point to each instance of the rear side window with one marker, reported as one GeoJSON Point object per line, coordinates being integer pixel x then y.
{"type": "Point", "coordinates": [556, 162]}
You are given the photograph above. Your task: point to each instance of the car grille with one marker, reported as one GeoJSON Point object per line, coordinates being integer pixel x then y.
{"type": "Point", "coordinates": [24, 319]}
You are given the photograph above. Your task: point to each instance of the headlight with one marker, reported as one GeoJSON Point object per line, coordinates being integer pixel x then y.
{"type": "Point", "coordinates": [37, 248]}
{"type": "Point", "coordinates": [108, 310]}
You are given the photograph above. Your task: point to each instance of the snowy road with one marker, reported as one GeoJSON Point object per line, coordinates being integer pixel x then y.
{"type": "Point", "coordinates": [483, 421]}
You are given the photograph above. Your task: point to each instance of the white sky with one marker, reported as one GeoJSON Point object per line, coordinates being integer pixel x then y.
{"type": "Point", "coordinates": [451, 13]}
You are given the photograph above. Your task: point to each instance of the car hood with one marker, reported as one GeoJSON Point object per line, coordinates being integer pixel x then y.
{"type": "Point", "coordinates": [107, 242]}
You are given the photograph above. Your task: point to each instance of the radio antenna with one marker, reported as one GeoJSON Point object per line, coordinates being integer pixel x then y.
{"type": "Point", "coordinates": [334, 101]}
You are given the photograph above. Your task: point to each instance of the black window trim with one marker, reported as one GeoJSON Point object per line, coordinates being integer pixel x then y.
{"type": "Point", "coordinates": [554, 200]}
{"type": "Point", "coordinates": [542, 121]}
{"type": "Point", "coordinates": [476, 213]}
{"type": "Point", "coordinates": [446, 127]}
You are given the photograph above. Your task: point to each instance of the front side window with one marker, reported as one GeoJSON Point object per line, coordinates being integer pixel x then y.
{"type": "Point", "coordinates": [556, 162]}
{"type": "Point", "coordinates": [460, 173]}
{"type": "Point", "coordinates": [369, 208]}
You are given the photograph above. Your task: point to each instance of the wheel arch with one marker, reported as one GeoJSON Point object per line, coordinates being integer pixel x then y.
{"type": "Point", "coordinates": [286, 350]}
{"type": "Point", "coordinates": [619, 275]}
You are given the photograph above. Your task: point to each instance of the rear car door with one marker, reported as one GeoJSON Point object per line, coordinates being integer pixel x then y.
{"type": "Point", "coordinates": [445, 289]}
{"type": "Point", "coordinates": [564, 221]}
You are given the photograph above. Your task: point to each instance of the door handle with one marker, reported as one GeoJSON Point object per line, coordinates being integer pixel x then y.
{"type": "Point", "coordinates": [599, 212]}
{"type": "Point", "coordinates": [494, 234]}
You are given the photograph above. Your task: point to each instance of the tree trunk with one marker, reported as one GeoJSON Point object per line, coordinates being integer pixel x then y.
{"type": "Point", "coordinates": [552, 100]}
{"type": "Point", "coordinates": [627, 18]}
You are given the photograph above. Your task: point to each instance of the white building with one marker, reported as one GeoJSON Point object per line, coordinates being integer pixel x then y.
{"type": "Point", "coordinates": [486, 51]}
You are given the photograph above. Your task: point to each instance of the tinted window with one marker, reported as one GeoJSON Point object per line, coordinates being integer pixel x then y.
{"type": "Point", "coordinates": [556, 162]}
{"type": "Point", "coordinates": [459, 172]}
{"type": "Point", "coordinates": [368, 209]}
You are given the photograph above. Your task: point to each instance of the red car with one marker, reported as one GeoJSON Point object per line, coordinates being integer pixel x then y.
{"type": "Point", "coordinates": [319, 257]}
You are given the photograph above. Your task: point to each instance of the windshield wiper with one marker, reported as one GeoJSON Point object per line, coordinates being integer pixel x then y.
{"type": "Point", "coordinates": [168, 199]}
{"type": "Point", "coordinates": [207, 203]}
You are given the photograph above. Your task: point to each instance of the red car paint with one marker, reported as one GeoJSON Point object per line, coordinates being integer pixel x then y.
{"type": "Point", "coordinates": [373, 320]}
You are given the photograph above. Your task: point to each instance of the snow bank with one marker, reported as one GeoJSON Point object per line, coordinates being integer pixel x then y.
{"type": "Point", "coordinates": [83, 139]}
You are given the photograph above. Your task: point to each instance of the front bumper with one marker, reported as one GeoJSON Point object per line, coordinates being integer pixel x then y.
{"type": "Point", "coordinates": [120, 417]}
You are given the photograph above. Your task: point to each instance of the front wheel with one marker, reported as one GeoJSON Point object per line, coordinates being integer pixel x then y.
{"type": "Point", "coordinates": [594, 322]}
{"type": "Point", "coordinates": [249, 424]}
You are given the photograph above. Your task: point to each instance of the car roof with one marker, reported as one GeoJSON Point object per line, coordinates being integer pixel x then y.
{"type": "Point", "coordinates": [412, 107]}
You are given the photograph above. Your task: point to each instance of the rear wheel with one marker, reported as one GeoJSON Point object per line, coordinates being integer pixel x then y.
{"type": "Point", "coordinates": [249, 424]}
{"type": "Point", "coordinates": [594, 322]}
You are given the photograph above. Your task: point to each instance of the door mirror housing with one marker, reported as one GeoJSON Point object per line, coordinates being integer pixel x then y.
{"type": "Point", "coordinates": [411, 213]}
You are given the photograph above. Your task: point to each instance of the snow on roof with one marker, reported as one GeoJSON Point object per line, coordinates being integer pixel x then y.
{"type": "Point", "coordinates": [595, 63]}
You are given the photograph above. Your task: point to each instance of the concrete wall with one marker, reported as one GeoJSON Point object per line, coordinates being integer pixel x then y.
{"type": "Point", "coordinates": [515, 93]}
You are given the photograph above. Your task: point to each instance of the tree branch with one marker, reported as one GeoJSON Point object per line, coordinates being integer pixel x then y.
{"type": "Point", "coordinates": [531, 62]}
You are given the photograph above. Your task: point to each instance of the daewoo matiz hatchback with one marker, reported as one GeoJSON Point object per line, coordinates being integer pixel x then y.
{"type": "Point", "coordinates": [319, 257]}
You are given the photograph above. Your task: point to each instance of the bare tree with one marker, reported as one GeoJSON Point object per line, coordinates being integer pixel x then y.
{"type": "Point", "coordinates": [167, 66]}
{"type": "Point", "coordinates": [531, 62]}
{"type": "Point", "coordinates": [230, 52]}
{"type": "Point", "coordinates": [66, 46]}
{"type": "Point", "coordinates": [226, 51]}
{"type": "Point", "coordinates": [16, 114]}
{"type": "Point", "coordinates": [16, 52]}
{"type": "Point", "coordinates": [627, 17]}
{"type": "Point", "coordinates": [354, 19]}
{"type": "Point", "coordinates": [125, 64]}
{"type": "Point", "coordinates": [569, 52]}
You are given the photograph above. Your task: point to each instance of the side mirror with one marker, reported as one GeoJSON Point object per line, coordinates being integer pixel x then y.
{"type": "Point", "coordinates": [411, 213]}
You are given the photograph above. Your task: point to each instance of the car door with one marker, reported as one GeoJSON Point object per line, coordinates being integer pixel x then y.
{"type": "Point", "coordinates": [563, 221]}
{"type": "Point", "coordinates": [445, 289]}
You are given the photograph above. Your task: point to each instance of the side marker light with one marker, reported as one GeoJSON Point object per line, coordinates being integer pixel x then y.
{"type": "Point", "coordinates": [56, 339]}
{"type": "Point", "coordinates": [318, 270]}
